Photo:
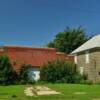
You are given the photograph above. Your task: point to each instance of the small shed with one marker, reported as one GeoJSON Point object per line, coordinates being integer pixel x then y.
{"type": "Point", "coordinates": [87, 58]}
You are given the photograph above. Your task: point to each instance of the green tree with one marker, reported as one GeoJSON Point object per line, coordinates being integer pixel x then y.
{"type": "Point", "coordinates": [7, 74]}
{"type": "Point", "coordinates": [68, 40]}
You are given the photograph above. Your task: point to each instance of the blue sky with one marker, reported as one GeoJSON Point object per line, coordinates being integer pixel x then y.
{"type": "Point", "coordinates": [36, 22]}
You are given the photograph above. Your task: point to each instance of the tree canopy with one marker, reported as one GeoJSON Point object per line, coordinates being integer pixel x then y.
{"type": "Point", "coordinates": [69, 40]}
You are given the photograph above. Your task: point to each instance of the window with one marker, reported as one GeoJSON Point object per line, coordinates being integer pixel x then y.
{"type": "Point", "coordinates": [87, 56]}
{"type": "Point", "coordinates": [81, 70]}
{"type": "Point", "coordinates": [75, 59]}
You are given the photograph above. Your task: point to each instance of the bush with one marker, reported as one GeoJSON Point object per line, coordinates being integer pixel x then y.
{"type": "Point", "coordinates": [88, 82]}
{"type": "Point", "coordinates": [85, 80]}
{"type": "Point", "coordinates": [7, 74]}
{"type": "Point", "coordinates": [24, 74]}
{"type": "Point", "coordinates": [59, 72]}
{"type": "Point", "coordinates": [85, 76]}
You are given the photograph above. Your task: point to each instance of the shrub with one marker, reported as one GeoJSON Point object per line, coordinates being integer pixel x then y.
{"type": "Point", "coordinates": [7, 74]}
{"type": "Point", "coordinates": [85, 76]}
{"type": "Point", "coordinates": [59, 72]}
{"type": "Point", "coordinates": [88, 82]}
{"type": "Point", "coordinates": [24, 74]}
{"type": "Point", "coordinates": [85, 80]}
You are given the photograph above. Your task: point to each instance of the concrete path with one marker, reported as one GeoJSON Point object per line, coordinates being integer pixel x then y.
{"type": "Point", "coordinates": [39, 90]}
{"type": "Point", "coordinates": [29, 91]}
{"type": "Point", "coordinates": [43, 90]}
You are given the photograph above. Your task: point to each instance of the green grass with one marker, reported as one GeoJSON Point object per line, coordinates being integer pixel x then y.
{"type": "Point", "coordinates": [67, 92]}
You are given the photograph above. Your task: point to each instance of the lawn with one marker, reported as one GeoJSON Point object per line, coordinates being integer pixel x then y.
{"type": "Point", "coordinates": [68, 92]}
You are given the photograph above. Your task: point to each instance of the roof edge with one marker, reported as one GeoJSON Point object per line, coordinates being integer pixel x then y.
{"type": "Point", "coordinates": [29, 47]}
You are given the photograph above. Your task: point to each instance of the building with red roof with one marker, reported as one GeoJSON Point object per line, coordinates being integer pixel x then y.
{"type": "Point", "coordinates": [37, 57]}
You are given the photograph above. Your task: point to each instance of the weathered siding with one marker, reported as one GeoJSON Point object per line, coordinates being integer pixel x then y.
{"type": "Point", "coordinates": [93, 67]}
{"type": "Point", "coordinates": [81, 61]}
{"type": "Point", "coordinates": [87, 66]}
{"type": "Point", "coordinates": [95, 64]}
